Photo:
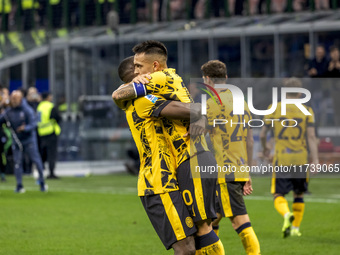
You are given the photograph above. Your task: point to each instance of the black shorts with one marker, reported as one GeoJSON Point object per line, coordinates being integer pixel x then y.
{"type": "Point", "coordinates": [283, 183]}
{"type": "Point", "coordinates": [284, 186]}
{"type": "Point", "coordinates": [230, 200]}
{"type": "Point", "coordinates": [198, 191]}
{"type": "Point", "coordinates": [169, 217]}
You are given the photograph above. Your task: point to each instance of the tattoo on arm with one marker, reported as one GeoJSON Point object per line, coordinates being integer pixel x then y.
{"type": "Point", "coordinates": [125, 93]}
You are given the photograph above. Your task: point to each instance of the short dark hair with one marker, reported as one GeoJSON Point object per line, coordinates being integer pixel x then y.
{"type": "Point", "coordinates": [333, 48]}
{"type": "Point", "coordinates": [214, 69]}
{"type": "Point", "coordinates": [45, 95]}
{"type": "Point", "coordinates": [126, 70]}
{"type": "Point", "coordinates": [151, 47]}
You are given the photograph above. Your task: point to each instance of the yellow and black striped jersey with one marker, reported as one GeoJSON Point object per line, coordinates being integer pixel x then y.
{"type": "Point", "coordinates": [170, 86]}
{"type": "Point", "coordinates": [229, 139]}
{"type": "Point", "coordinates": [290, 142]}
{"type": "Point", "coordinates": [157, 172]}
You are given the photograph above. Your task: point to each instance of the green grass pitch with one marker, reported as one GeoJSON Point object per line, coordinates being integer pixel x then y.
{"type": "Point", "coordinates": [103, 215]}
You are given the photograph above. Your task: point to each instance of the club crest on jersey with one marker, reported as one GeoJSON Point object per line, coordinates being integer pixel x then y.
{"type": "Point", "coordinates": [189, 222]}
{"type": "Point", "coordinates": [152, 98]}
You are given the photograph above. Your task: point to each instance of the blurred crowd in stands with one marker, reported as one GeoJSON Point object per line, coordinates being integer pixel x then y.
{"type": "Point", "coordinates": [32, 14]}
{"type": "Point", "coordinates": [322, 66]}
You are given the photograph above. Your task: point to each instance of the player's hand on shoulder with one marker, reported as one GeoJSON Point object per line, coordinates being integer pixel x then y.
{"type": "Point", "coordinates": [142, 78]}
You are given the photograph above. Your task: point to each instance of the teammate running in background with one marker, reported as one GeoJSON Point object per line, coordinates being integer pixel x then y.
{"type": "Point", "coordinates": [291, 149]}
{"type": "Point", "coordinates": [233, 148]}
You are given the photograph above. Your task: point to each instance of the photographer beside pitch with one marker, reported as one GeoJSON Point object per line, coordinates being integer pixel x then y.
{"type": "Point", "coordinates": [233, 147]}
{"type": "Point", "coordinates": [291, 149]}
{"type": "Point", "coordinates": [164, 82]}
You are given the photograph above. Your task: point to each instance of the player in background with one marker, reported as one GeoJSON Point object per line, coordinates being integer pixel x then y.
{"type": "Point", "coordinates": [291, 149]}
{"type": "Point", "coordinates": [233, 148]}
{"type": "Point", "coordinates": [160, 81]}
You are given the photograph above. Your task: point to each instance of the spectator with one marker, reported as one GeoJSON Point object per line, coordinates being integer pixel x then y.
{"type": "Point", "coordinates": [42, 12]}
{"type": "Point", "coordinates": [5, 146]}
{"type": "Point", "coordinates": [278, 6]}
{"type": "Point", "coordinates": [33, 97]}
{"type": "Point", "coordinates": [5, 10]}
{"type": "Point", "coordinates": [56, 7]}
{"type": "Point", "coordinates": [27, 7]}
{"type": "Point", "coordinates": [218, 5]}
{"type": "Point", "coordinates": [321, 4]}
{"type": "Point", "coordinates": [319, 65]}
{"type": "Point", "coordinates": [192, 9]}
{"type": "Point", "coordinates": [105, 8]}
{"type": "Point", "coordinates": [5, 135]}
{"type": "Point", "coordinates": [334, 63]}
{"type": "Point", "coordinates": [48, 130]}
{"type": "Point", "coordinates": [22, 121]}
{"type": "Point", "coordinates": [4, 102]}
{"type": "Point", "coordinates": [90, 6]}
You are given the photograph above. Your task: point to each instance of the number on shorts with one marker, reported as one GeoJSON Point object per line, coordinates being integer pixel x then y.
{"type": "Point", "coordinates": [187, 197]}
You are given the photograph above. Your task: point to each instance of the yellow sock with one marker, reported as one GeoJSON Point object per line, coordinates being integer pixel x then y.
{"type": "Point", "coordinates": [249, 239]}
{"type": "Point", "coordinates": [298, 211]}
{"type": "Point", "coordinates": [213, 249]}
{"type": "Point", "coordinates": [216, 229]}
{"type": "Point", "coordinates": [209, 244]}
{"type": "Point", "coordinates": [281, 205]}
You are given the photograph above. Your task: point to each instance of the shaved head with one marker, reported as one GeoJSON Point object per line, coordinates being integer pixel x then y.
{"type": "Point", "coordinates": [126, 70]}
{"type": "Point", "coordinates": [16, 98]}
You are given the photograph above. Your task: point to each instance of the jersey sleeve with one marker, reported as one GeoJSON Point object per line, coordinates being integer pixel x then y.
{"type": "Point", "coordinates": [150, 106]}
{"type": "Point", "coordinates": [157, 84]}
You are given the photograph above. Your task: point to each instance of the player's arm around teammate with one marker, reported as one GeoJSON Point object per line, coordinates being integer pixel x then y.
{"type": "Point", "coordinates": [160, 196]}
{"type": "Point", "coordinates": [151, 58]}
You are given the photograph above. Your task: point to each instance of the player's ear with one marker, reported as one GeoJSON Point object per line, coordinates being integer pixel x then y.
{"type": "Point", "coordinates": [156, 66]}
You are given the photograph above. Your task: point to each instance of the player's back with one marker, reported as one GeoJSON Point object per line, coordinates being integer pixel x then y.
{"type": "Point", "coordinates": [290, 134]}
{"type": "Point", "coordinates": [170, 85]}
{"type": "Point", "coordinates": [157, 168]}
{"type": "Point", "coordinates": [229, 139]}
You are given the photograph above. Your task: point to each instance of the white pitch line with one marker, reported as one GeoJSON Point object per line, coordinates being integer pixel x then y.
{"type": "Point", "coordinates": [121, 191]}
{"type": "Point", "coordinates": [309, 200]}
{"type": "Point", "coordinates": [133, 191]}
